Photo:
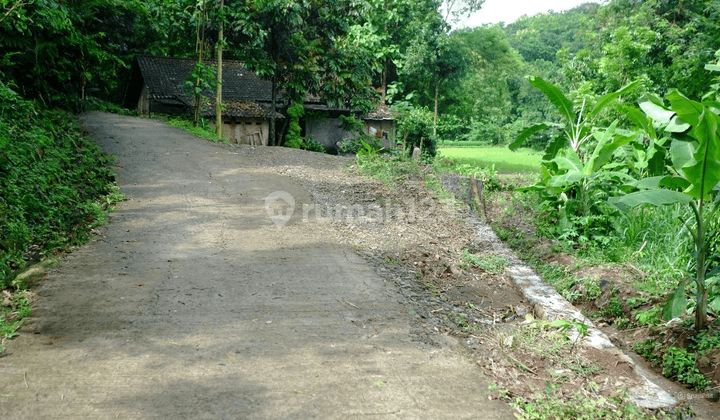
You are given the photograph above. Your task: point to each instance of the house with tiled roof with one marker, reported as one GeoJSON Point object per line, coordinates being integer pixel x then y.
{"type": "Point", "coordinates": [156, 86]}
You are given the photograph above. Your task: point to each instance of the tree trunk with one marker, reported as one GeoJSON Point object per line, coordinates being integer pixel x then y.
{"type": "Point", "coordinates": [200, 44]}
{"type": "Point", "coordinates": [218, 96]}
{"type": "Point", "coordinates": [435, 116]}
{"type": "Point", "coordinates": [702, 292]}
{"type": "Point", "coordinates": [383, 82]}
{"type": "Point", "coordinates": [285, 125]}
{"type": "Point", "coordinates": [383, 76]}
{"type": "Point", "coordinates": [271, 133]}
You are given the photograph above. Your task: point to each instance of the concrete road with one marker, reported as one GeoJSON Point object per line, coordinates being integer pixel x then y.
{"type": "Point", "coordinates": [193, 304]}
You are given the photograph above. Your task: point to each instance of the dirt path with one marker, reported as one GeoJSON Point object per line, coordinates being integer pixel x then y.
{"type": "Point", "coordinates": [193, 304]}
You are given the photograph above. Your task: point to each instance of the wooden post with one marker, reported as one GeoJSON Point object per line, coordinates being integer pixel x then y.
{"type": "Point", "coordinates": [477, 195]}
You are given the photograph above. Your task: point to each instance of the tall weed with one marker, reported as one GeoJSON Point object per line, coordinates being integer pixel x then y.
{"type": "Point", "coordinates": [656, 240]}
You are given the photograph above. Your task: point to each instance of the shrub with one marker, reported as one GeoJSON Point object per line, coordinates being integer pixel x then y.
{"type": "Point", "coordinates": [485, 133]}
{"type": "Point", "coordinates": [293, 138]}
{"type": "Point", "coordinates": [53, 181]}
{"type": "Point", "coordinates": [416, 126]}
{"type": "Point", "coordinates": [451, 128]}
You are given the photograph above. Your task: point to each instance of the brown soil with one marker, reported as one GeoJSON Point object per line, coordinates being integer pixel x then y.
{"type": "Point", "coordinates": [616, 281]}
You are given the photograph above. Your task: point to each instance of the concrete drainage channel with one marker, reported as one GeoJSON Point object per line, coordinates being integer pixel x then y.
{"type": "Point", "coordinates": [548, 304]}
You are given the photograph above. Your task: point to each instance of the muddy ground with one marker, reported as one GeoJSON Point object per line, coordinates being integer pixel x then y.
{"type": "Point", "coordinates": [193, 303]}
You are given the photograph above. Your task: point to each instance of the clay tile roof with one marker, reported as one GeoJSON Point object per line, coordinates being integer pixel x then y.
{"type": "Point", "coordinates": [164, 78]}
{"type": "Point", "coordinates": [241, 109]}
{"type": "Point", "coordinates": [382, 112]}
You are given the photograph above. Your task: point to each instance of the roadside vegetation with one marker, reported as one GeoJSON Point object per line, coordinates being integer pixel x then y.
{"type": "Point", "coordinates": [558, 377]}
{"type": "Point", "coordinates": [201, 130]}
{"type": "Point", "coordinates": [623, 222]}
{"type": "Point", "coordinates": [55, 187]}
{"type": "Point", "coordinates": [614, 198]}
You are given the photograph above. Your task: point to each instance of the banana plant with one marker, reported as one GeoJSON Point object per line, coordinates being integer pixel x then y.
{"type": "Point", "coordinates": [575, 178]}
{"type": "Point", "coordinates": [577, 125]}
{"type": "Point", "coordinates": [588, 178]}
{"type": "Point", "coordinates": [653, 120]}
{"type": "Point", "coordinates": [694, 181]}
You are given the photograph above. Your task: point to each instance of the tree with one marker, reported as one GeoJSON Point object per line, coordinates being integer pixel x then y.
{"type": "Point", "coordinates": [200, 75]}
{"type": "Point", "coordinates": [12, 10]}
{"type": "Point", "coordinates": [540, 37]}
{"type": "Point", "coordinates": [482, 96]}
{"type": "Point", "coordinates": [433, 58]}
{"type": "Point", "coordinates": [173, 24]}
{"type": "Point", "coordinates": [302, 47]}
{"type": "Point", "coordinates": [218, 80]}
{"type": "Point", "coordinates": [665, 43]}
{"type": "Point", "coordinates": [695, 181]}
{"type": "Point", "coordinates": [58, 51]}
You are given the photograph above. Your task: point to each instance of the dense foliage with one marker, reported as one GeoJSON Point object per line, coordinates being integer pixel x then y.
{"type": "Point", "coordinates": [53, 181]}
{"type": "Point", "coordinates": [60, 52]}
{"type": "Point", "coordinates": [472, 79]}
{"type": "Point", "coordinates": [630, 163]}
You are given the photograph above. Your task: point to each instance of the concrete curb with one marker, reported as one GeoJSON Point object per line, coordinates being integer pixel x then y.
{"type": "Point", "coordinates": [550, 305]}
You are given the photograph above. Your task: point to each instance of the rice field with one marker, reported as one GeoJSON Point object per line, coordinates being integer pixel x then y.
{"type": "Point", "coordinates": [505, 160]}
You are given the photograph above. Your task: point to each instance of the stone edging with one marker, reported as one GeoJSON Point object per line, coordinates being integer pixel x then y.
{"type": "Point", "coordinates": [550, 305]}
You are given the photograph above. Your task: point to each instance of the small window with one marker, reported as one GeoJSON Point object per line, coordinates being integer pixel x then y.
{"type": "Point", "coordinates": [248, 122]}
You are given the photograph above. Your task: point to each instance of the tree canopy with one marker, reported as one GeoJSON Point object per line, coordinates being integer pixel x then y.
{"type": "Point", "coordinates": [356, 53]}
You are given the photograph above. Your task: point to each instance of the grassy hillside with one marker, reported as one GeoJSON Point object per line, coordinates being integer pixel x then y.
{"type": "Point", "coordinates": [54, 183]}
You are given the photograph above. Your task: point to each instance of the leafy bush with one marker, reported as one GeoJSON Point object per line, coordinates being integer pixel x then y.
{"type": "Point", "coordinates": [679, 364]}
{"type": "Point", "coordinates": [54, 183]}
{"type": "Point", "coordinates": [293, 138]}
{"type": "Point", "coordinates": [202, 130]}
{"type": "Point", "coordinates": [416, 126]}
{"type": "Point", "coordinates": [349, 146]}
{"type": "Point", "coordinates": [359, 138]}
{"type": "Point", "coordinates": [309, 143]}
{"type": "Point", "coordinates": [485, 133]}
{"type": "Point", "coordinates": [693, 179]}
{"type": "Point", "coordinates": [92, 103]}
{"type": "Point", "coordinates": [451, 128]}
{"type": "Point", "coordinates": [581, 169]}
{"type": "Point", "coordinates": [579, 406]}
{"type": "Point", "coordinates": [392, 169]}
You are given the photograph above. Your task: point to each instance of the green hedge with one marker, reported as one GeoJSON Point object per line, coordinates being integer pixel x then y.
{"type": "Point", "coordinates": [54, 183]}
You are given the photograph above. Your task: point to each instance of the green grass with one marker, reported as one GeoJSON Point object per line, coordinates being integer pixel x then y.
{"type": "Point", "coordinates": [464, 143]}
{"type": "Point", "coordinates": [203, 130]}
{"type": "Point", "coordinates": [505, 160]}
